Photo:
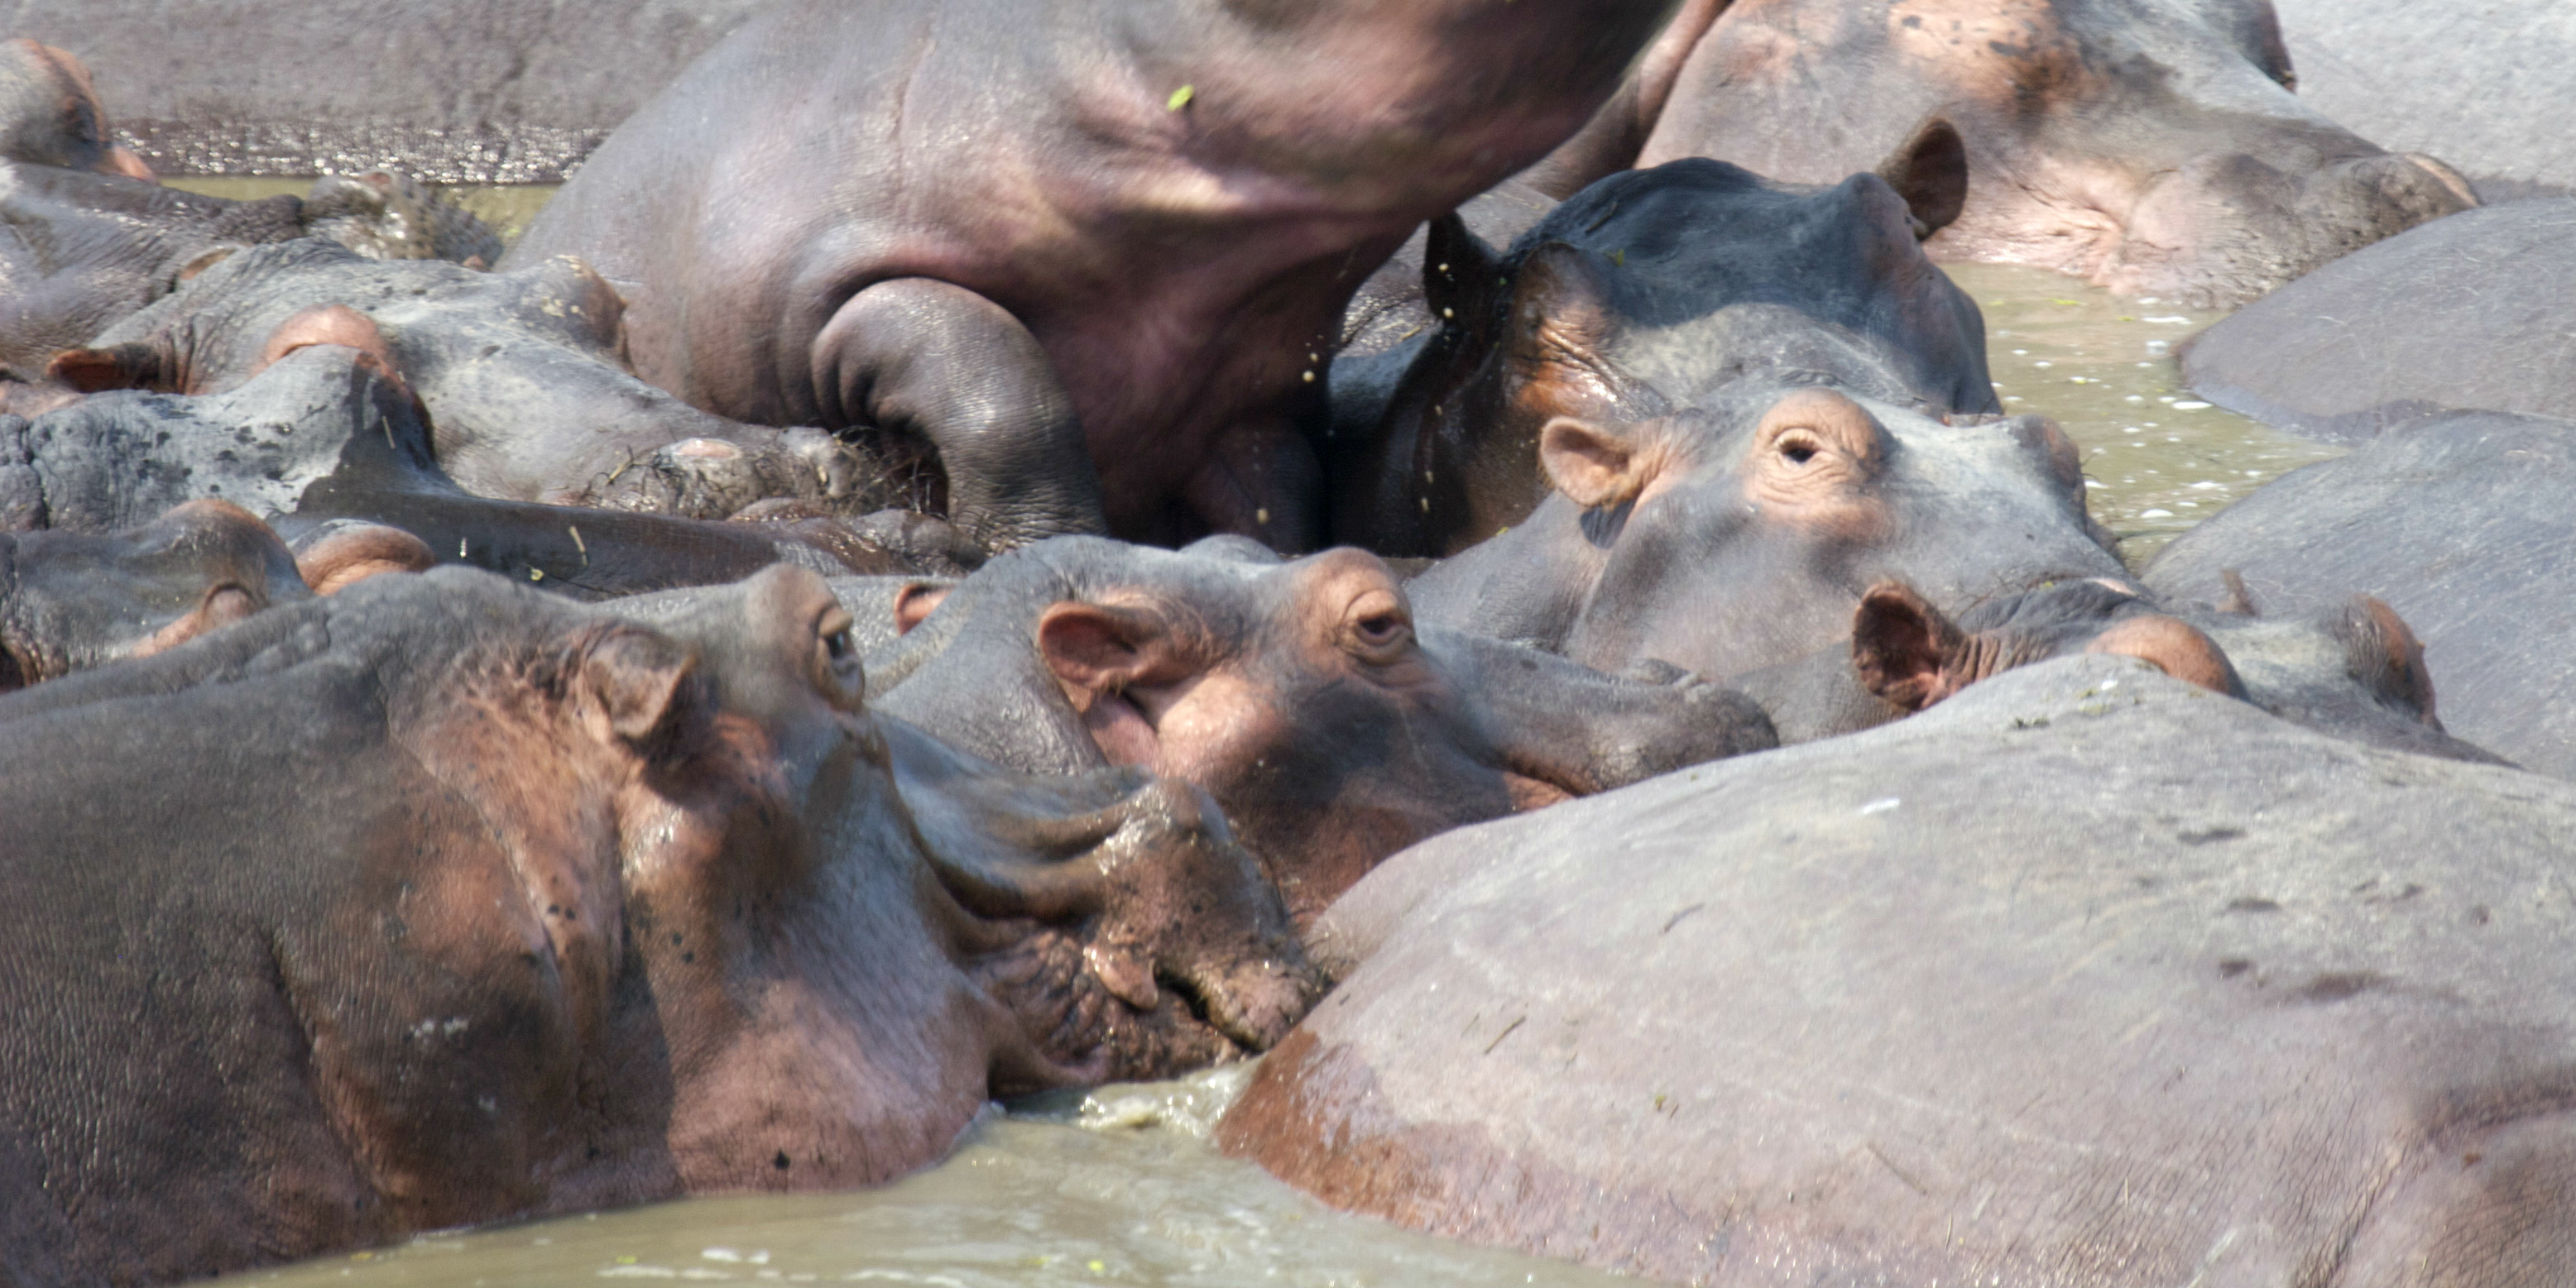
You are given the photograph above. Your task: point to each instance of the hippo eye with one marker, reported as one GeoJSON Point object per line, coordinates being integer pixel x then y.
{"type": "Point", "coordinates": [1798, 449]}
{"type": "Point", "coordinates": [1380, 628]}
{"type": "Point", "coordinates": [837, 645]}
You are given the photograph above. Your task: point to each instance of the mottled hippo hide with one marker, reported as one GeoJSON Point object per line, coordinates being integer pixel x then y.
{"type": "Point", "coordinates": [442, 901]}
{"type": "Point", "coordinates": [2463, 525]}
{"type": "Point", "coordinates": [2465, 84]}
{"type": "Point", "coordinates": [2473, 311]}
{"type": "Point", "coordinates": [1641, 295]}
{"type": "Point", "coordinates": [479, 92]}
{"type": "Point", "coordinates": [1087, 268]}
{"type": "Point", "coordinates": [2151, 146]}
{"type": "Point", "coordinates": [2086, 975]}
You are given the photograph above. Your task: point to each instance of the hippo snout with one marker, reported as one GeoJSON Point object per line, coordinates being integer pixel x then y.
{"type": "Point", "coordinates": [2227, 227]}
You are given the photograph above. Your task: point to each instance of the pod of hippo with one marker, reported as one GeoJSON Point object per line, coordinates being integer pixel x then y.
{"type": "Point", "coordinates": [983, 547]}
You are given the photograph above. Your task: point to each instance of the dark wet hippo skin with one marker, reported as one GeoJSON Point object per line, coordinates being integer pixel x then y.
{"type": "Point", "coordinates": [2153, 147]}
{"type": "Point", "coordinates": [1300, 694]}
{"type": "Point", "coordinates": [2083, 976]}
{"type": "Point", "coordinates": [1646, 293]}
{"type": "Point", "coordinates": [2352, 669]}
{"type": "Point", "coordinates": [70, 601]}
{"type": "Point", "coordinates": [467, 903]}
{"type": "Point", "coordinates": [1125, 243]}
{"type": "Point", "coordinates": [50, 114]}
{"type": "Point", "coordinates": [2471, 312]}
{"type": "Point", "coordinates": [2462, 526]}
{"type": "Point", "coordinates": [1741, 533]}
{"type": "Point", "coordinates": [328, 433]}
{"type": "Point", "coordinates": [519, 372]}
{"type": "Point", "coordinates": [2468, 92]}
{"type": "Point", "coordinates": [479, 93]}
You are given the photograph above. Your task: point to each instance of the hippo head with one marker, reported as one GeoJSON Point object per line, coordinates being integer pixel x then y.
{"type": "Point", "coordinates": [50, 114]}
{"type": "Point", "coordinates": [2151, 146]}
{"type": "Point", "coordinates": [70, 601]}
{"type": "Point", "coordinates": [1302, 695]}
{"type": "Point", "coordinates": [1741, 534]}
{"type": "Point", "coordinates": [1649, 291]}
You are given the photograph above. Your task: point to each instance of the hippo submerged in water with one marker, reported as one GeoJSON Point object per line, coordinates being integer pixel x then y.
{"type": "Point", "coordinates": [1092, 261]}
{"type": "Point", "coordinates": [451, 901]}
{"type": "Point", "coordinates": [2154, 147]}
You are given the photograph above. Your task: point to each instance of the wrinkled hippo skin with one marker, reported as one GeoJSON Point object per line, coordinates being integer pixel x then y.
{"type": "Point", "coordinates": [460, 902]}
{"type": "Point", "coordinates": [50, 114]}
{"type": "Point", "coordinates": [2153, 147]}
{"type": "Point", "coordinates": [2086, 975]}
{"type": "Point", "coordinates": [2352, 669]}
{"type": "Point", "coordinates": [2464, 86]}
{"type": "Point", "coordinates": [1643, 294]}
{"type": "Point", "coordinates": [71, 601]}
{"type": "Point", "coordinates": [1127, 243]}
{"type": "Point", "coordinates": [1300, 695]}
{"type": "Point", "coordinates": [455, 93]}
{"type": "Point", "coordinates": [2467, 313]}
{"type": "Point", "coordinates": [1741, 533]}
{"type": "Point", "coordinates": [519, 372]}
{"type": "Point", "coordinates": [2460, 524]}
{"type": "Point", "coordinates": [328, 433]}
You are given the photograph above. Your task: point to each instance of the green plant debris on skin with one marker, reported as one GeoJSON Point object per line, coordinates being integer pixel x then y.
{"type": "Point", "coordinates": [1180, 98]}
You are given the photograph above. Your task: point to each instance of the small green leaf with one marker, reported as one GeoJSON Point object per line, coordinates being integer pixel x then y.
{"type": "Point", "coordinates": [1180, 98]}
{"type": "Point", "coordinates": [1620, 257]}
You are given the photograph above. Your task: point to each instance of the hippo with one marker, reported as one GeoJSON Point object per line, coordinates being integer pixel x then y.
{"type": "Point", "coordinates": [2395, 72]}
{"type": "Point", "coordinates": [446, 901]}
{"type": "Point", "coordinates": [1301, 695]}
{"type": "Point", "coordinates": [70, 601]}
{"type": "Point", "coordinates": [1640, 296]}
{"type": "Point", "coordinates": [2467, 313]}
{"type": "Point", "coordinates": [460, 93]}
{"type": "Point", "coordinates": [2461, 525]}
{"type": "Point", "coordinates": [2353, 669]}
{"type": "Point", "coordinates": [328, 433]}
{"type": "Point", "coordinates": [81, 250]}
{"type": "Point", "coordinates": [2153, 147]}
{"type": "Point", "coordinates": [1092, 266]}
{"type": "Point", "coordinates": [518, 371]}
{"type": "Point", "coordinates": [1740, 533]}
{"type": "Point", "coordinates": [50, 114]}
{"type": "Point", "coordinates": [2085, 975]}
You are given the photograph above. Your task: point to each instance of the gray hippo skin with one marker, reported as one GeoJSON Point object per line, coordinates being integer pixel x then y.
{"type": "Point", "coordinates": [1641, 295]}
{"type": "Point", "coordinates": [2470, 312]}
{"type": "Point", "coordinates": [1093, 262]}
{"type": "Point", "coordinates": [2462, 525]}
{"type": "Point", "coordinates": [1301, 695]}
{"type": "Point", "coordinates": [453, 92]}
{"type": "Point", "coordinates": [327, 433]}
{"type": "Point", "coordinates": [50, 114]}
{"type": "Point", "coordinates": [2085, 976]}
{"type": "Point", "coordinates": [519, 372]}
{"type": "Point", "coordinates": [1740, 534]}
{"type": "Point", "coordinates": [2150, 146]}
{"type": "Point", "coordinates": [2465, 84]}
{"type": "Point", "coordinates": [447, 901]}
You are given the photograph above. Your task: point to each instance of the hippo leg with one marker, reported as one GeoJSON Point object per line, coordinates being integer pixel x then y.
{"type": "Point", "coordinates": [925, 358]}
{"type": "Point", "coordinates": [1264, 481]}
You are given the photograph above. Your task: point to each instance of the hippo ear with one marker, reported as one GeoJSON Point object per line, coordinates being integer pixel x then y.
{"type": "Point", "coordinates": [915, 602]}
{"type": "Point", "coordinates": [1931, 173]}
{"type": "Point", "coordinates": [342, 554]}
{"type": "Point", "coordinates": [123, 366]}
{"type": "Point", "coordinates": [2383, 654]}
{"type": "Point", "coordinates": [327, 324]}
{"type": "Point", "coordinates": [1095, 650]}
{"type": "Point", "coordinates": [2175, 647]}
{"type": "Point", "coordinates": [1597, 465]}
{"type": "Point", "coordinates": [1462, 277]}
{"type": "Point", "coordinates": [1906, 651]}
{"type": "Point", "coordinates": [641, 684]}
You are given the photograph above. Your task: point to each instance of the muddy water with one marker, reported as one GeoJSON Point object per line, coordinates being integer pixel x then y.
{"type": "Point", "coordinates": [2156, 459]}
{"type": "Point", "coordinates": [1119, 1187]}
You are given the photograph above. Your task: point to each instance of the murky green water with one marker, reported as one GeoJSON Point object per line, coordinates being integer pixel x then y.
{"type": "Point", "coordinates": [2156, 459]}
{"type": "Point", "coordinates": [507, 209]}
{"type": "Point", "coordinates": [1117, 1187]}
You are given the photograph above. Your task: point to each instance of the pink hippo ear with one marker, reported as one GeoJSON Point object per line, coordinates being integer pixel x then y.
{"type": "Point", "coordinates": [1097, 651]}
{"type": "Point", "coordinates": [352, 552]}
{"type": "Point", "coordinates": [640, 686]}
{"type": "Point", "coordinates": [1905, 650]}
{"type": "Point", "coordinates": [2382, 652]}
{"type": "Point", "coordinates": [123, 366]}
{"type": "Point", "coordinates": [1599, 465]}
{"type": "Point", "coordinates": [2175, 647]}
{"type": "Point", "coordinates": [915, 602]}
